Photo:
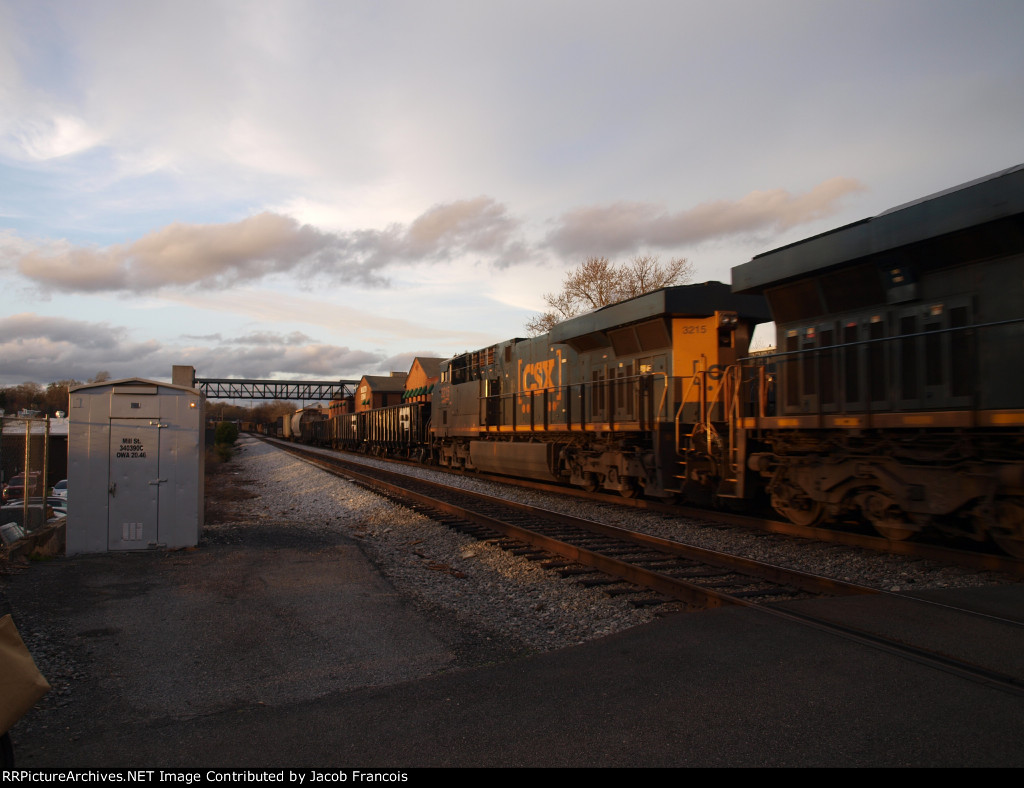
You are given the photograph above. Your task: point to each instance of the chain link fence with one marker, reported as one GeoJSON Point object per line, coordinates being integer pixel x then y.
{"type": "Point", "coordinates": [33, 457]}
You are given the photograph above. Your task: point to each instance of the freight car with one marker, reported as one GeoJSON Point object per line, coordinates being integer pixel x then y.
{"type": "Point", "coordinates": [298, 426]}
{"type": "Point", "coordinates": [394, 430]}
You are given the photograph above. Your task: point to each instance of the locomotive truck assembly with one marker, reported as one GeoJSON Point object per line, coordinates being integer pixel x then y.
{"type": "Point", "coordinates": [895, 394]}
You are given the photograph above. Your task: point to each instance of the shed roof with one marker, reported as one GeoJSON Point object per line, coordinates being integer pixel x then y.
{"type": "Point", "coordinates": [133, 382]}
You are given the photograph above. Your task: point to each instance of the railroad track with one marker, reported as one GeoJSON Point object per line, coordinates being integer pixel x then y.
{"type": "Point", "coordinates": [574, 546]}
{"type": "Point", "coordinates": [970, 558]}
{"type": "Point", "coordinates": [650, 570]}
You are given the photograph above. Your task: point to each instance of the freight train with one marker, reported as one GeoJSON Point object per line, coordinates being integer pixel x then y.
{"type": "Point", "coordinates": [895, 395]}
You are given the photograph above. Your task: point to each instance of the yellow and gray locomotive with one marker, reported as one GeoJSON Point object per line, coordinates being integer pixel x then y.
{"type": "Point", "coordinates": [635, 397]}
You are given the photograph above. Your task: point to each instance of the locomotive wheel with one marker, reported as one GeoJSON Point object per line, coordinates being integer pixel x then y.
{"type": "Point", "coordinates": [893, 529]}
{"type": "Point", "coordinates": [629, 488]}
{"type": "Point", "coordinates": [590, 482]}
{"type": "Point", "coordinates": [810, 513]}
{"type": "Point", "coordinates": [885, 515]}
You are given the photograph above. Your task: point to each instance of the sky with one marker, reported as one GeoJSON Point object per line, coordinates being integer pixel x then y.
{"type": "Point", "coordinates": [329, 188]}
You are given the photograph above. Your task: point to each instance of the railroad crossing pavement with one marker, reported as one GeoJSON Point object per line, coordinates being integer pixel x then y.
{"type": "Point", "coordinates": [286, 653]}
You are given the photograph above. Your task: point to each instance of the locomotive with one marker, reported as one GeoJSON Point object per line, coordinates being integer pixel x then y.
{"type": "Point", "coordinates": [893, 395]}
{"type": "Point", "coordinates": [633, 397]}
{"type": "Point", "coordinates": [898, 389]}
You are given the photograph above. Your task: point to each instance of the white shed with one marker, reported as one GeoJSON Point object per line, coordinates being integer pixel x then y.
{"type": "Point", "coordinates": [135, 466]}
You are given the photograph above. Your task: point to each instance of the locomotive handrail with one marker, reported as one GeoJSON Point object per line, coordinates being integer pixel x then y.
{"type": "Point", "coordinates": [664, 396]}
{"type": "Point", "coordinates": [682, 404]}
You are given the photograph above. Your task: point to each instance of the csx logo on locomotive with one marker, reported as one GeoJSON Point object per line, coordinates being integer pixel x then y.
{"type": "Point", "coordinates": [540, 375]}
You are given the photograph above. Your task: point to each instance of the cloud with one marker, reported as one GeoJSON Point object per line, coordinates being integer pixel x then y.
{"type": "Point", "coordinates": [270, 338]}
{"type": "Point", "coordinates": [626, 227]}
{"type": "Point", "coordinates": [42, 348]}
{"type": "Point", "coordinates": [47, 135]}
{"type": "Point", "coordinates": [444, 232]}
{"type": "Point", "coordinates": [51, 348]}
{"type": "Point", "coordinates": [180, 255]}
{"type": "Point", "coordinates": [218, 256]}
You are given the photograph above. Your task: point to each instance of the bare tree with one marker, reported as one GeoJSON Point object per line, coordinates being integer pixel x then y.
{"type": "Point", "coordinates": [597, 282]}
{"type": "Point", "coordinates": [644, 274]}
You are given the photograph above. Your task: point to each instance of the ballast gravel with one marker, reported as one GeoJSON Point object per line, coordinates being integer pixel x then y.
{"type": "Point", "coordinates": [490, 589]}
{"type": "Point", "coordinates": [474, 583]}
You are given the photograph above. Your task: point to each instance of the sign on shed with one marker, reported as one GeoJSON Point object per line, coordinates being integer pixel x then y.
{"type": "Point", "coordinates": [135, 466]}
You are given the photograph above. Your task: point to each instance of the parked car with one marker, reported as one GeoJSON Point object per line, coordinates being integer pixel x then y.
{"type": "Point", "coordinates": [15, 488]}
{"type": "Point", "coordinates": [60, 489]}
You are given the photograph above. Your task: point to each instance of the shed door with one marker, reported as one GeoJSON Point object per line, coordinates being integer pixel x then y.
{"type": "Point", "coordinates": [133, 487]}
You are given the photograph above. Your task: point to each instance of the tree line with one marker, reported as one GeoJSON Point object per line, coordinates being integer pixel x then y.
{"type": "Point", "coordinates": [47, 400]}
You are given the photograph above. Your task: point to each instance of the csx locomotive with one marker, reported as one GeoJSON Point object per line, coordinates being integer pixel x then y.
{"type": "Point", "coordinates": [896, 393]}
